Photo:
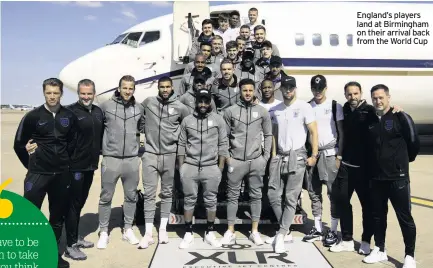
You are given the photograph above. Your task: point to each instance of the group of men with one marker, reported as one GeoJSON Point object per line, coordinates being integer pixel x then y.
{"type": "Point", "coordinates": [225, 122]}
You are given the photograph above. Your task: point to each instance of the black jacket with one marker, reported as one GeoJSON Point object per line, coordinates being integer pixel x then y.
{"type": "Point", "coordinates": [89, 137]}
{"type": "Point", "coordinates": [55, 137]}
{"type": "Point", "coordinates": [393, 142]}
{"type": "Point", "coordinates": [355, 128]}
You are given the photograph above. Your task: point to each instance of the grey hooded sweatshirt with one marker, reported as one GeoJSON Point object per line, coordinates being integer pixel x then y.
{"type": "Point", "coordinates": [161, 124]}
{"type": "Point", "coordinates": [188, 99]}
{"type": "Point", "coordinates": [121, 126]}
{"type": "Point", "coordinates": [245, 124]}
{"type": "Point", "coordinates": [202, 139]}
{"type": "Point", "coordinates": [225, 96]}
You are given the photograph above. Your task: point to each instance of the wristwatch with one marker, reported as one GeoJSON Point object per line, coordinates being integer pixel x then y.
{"type": "Point", "coordinates": [339, 157]}
{"type": "Point", "coordinates": [315, 156]}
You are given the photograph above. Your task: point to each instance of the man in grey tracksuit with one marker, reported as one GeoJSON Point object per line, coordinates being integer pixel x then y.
{"type": "Point", "coordinates": [189, 99]}
{"type": "Point", "coordinates": [247, 69]}
{"type": "Point", "coordinates": [246, 121]}
{"type": "Point", "coordinates": [225, 90]}
{"type": "Point", "coordinates": [122, 116]}
{"type": "Point", "coordinates": [161, 125]}
{"type": "Point", "coordinates": [203, 147]}
{"type": "Point", "coordinates": [290, 121]}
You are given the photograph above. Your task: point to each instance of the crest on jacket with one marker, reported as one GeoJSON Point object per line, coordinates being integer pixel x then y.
{"type": "Point", "coordinates": [77, 176]}
{"type": "Point", "coordinates": [255, 114]}
{"type": "Point", "coordinates": [170, 110]}
{"type": "Point", "coordinates": [64, 121]}
{"type": "Point", "coordinates": [389, 124]}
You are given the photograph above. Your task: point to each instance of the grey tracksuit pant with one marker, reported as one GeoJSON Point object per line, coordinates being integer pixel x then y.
{"type": "Point", "coordinates": [154, 165]}
{"type": "Point", "coordinates": [208, 176]}
{"type": "Point", "coordinates": [111, 169]}
{"type": "Point", "coordinates": [325, 171]}
{"type": "Point", "coordinates": [254, 170]}
{"type": "Point", "coordinates": [292, 181]}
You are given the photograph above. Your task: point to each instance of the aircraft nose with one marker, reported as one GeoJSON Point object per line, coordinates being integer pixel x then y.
{"type": "Point", "coordinates": [71, 74]}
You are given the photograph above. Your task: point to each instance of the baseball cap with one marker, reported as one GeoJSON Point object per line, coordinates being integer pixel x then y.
{"type": "Point", "coordinates": [203, 93]}
{"type": "Point", "coordinates": [275, 61]}
{"type": "Point", "coordinates": [248, 54]}
{"type": "Point", "coordinates": [318, 82]}
{"type": "Point", "coordinates": [199, 78]}
{"type": "Point", "coordinates": [288, 82]}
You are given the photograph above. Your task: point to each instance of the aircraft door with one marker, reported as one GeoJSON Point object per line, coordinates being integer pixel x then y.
{"type": "Point", "coordinates": [187, 19]}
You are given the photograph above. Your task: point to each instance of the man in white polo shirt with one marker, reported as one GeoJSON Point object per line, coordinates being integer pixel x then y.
{"type": "Point", "coordinates": [291, 120]}
{"type": "Point", "coordinates": [329, 116]}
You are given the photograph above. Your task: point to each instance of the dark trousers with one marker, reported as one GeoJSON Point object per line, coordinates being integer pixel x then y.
{"type": "Point", "coordinates": [79, 191]}
{"type": "Point", "coordinates": [398, 192]}
{"type": "Point", "coordinates": [36, 186]}
{"type": "Point", "coordinates": [350, 179]}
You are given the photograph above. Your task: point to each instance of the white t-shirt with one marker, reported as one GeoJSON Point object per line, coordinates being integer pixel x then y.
{"type": "Point", "coordinates": [292, 124]}
{"type": "Point", "coordinates": [326, 128]}
{"type": "Point", "coordinates": [268, 106]}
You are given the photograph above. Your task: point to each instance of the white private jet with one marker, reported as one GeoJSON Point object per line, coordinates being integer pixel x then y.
{"type": "Point", "coordinates": [312, 37]}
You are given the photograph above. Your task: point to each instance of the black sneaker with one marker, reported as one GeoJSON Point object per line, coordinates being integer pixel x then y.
{"type": "Point", "coordinates": [313, 235]}
{"type": "Point", "coordinates": [75, 253]}
{"type": "Point", "coordinates": [84, 244]}
{"type": "Point", "coordinates": [62, 263]}
{"type": "Point", "coordinates": [330, 239]}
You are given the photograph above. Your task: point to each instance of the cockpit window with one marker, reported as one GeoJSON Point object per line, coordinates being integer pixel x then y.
{"type": "Point", "coordinates": [150, 37]}
{"type": "Point", "coordinates": [118, 39]}
{"type": "Point", "coordinates": [132, 39]}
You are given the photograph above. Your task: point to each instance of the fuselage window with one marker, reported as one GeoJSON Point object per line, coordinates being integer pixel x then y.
{"type": "Point", "coordinates": [118, 39]}
{"type": "Point", "coordinates": [333, 39]}
{"type": "Point", "coordinates": [349, 40]}
{"type": "Point", "coordinates": [132, 39]}
{"type": "Point", "coordinates": [317, 39]}
{"type": "Point", "coordinates": [299, 39]}
{"type": "Point", "coordinates": [150, 37]}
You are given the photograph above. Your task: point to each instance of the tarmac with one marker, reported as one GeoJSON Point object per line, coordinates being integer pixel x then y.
{"type": "Point", "coordinates": [120, 254]}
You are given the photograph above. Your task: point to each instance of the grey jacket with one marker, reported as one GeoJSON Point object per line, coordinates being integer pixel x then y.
{"type": "Point", "coordinates": [202, 139]}
{"type": "Point", "coordinates": [245, 124]}
{"type": "Point", "coordinates": [188, 99]}
{"type": "Point", "coordinates": [225, 96]}
{"type": "Point", "coordinates": [161, 124]}
{"type": "Point", "coordinates": [188, 80]}
{"type": "Point", "coordinates": [262, 67]}
{"type": "Point", "coordinates": [121, 127]}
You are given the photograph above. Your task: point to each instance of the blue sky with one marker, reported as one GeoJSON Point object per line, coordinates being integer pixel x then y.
{"type": "Point", "coordinates": [39, 38]}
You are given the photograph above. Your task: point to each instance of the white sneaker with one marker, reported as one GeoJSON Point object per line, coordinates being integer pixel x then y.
{"type": "Point", "coordinates": [409, 262]}
{"type": "Point", "coordinates": [146, 241]}
{"type": "Point", "coordinates": [129, 236]}
{"type": "Point", "coordinates": [255, 237]}
{"type": "Point", "coordinates": [211, 240]}
{"type": "Point", "coordinates": [343, 246]}
{"type": "Point", "coordinates": [279, 244]}
{"type": "Point", "coordinates": [376, 256]}
{"type": "Point", "coordinates": [364, 248]}
{"type": "Point", "coordinates": [229, 238]}
{"type": "Point", "coordinates": [163, 236]}
{"type": "Point", "coordinates": [103, 240]}
{"type": "Point", "coordinates": [288, 238]}
{"type": "Point", "coordinates": [188, 239]}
